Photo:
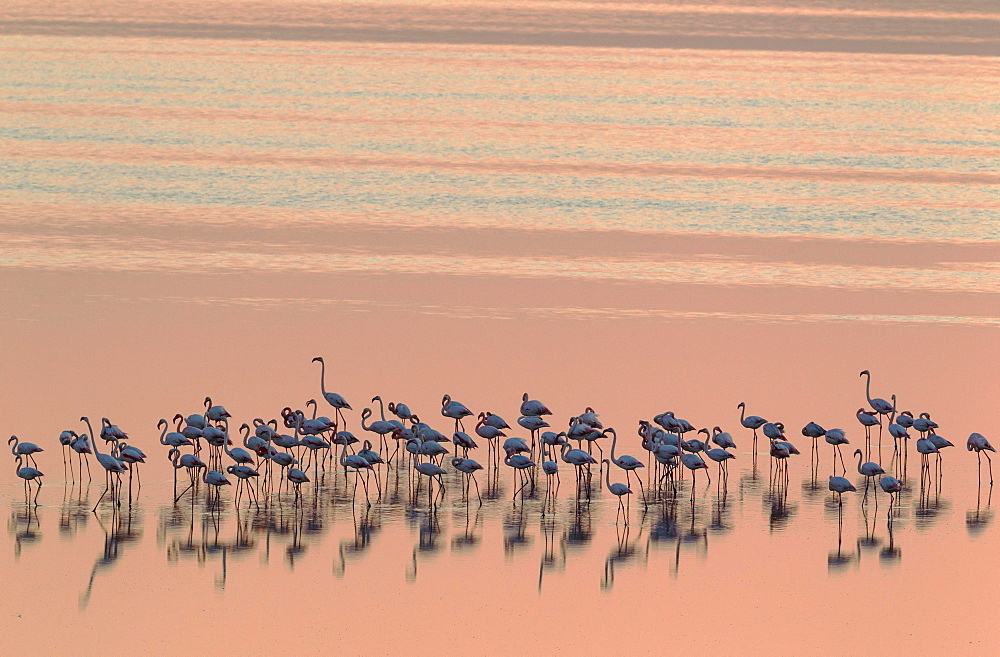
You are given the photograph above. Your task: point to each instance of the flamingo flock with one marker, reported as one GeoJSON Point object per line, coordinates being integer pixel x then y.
{"type": "Point", "coordinates": [275, 456]}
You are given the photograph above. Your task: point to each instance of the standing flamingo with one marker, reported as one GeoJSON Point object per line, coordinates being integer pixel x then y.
{"type": "Point", "coordinates": [977, 442]}
{"type": "Point", "coordinates": [753, 422]}
{"type": "Point", "coordinates": [332, 398]}
{"type": "Point", "coordinates": [693, 462]}
{"type": "Point", "coordinates": [627, 463]}
{"type": "Point", "coordinates": [455, 410]}
{"type": "Point", "coordinates": [24, 449]}
{"type": "Point", "coordinates": [432, 471]}
{"type": "Point", "coordinates": [837, 437]}
{"type": "Point", "coordinates": [29, 474]}
{"type": "Point", "coordinates": [188, 461]}
{"type": "Point", "coordinates": [110, 464]}
{"type": "Point", "coordinates": [869, 470]}
{"type": "Point", "coordinates": [841, 485]}
{"type": "Point", "coordinates": [532, 407]}
{"type": "Point", "coordinates": [215, 413]}
{"type": "Point", "coordinates": [520, 463]}
{"type": "Point", "coordinates": [619, 490]}
{"type": "Point", "coordinates": [468, 467]}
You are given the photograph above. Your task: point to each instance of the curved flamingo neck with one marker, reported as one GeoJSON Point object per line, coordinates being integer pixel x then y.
{"type": "Point", "coordinates": [322, 376]}
{"type": "Point", "coordinates": [93, 442]}
{"type": "Point", "coordinates": [614, 441]}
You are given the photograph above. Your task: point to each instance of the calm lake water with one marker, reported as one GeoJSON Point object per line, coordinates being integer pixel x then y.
{"type": "Point", "coordinates": [638, 207]}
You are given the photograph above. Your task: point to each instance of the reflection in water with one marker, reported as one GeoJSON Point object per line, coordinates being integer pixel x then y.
{"type": "Point", "coordinates": [624, 552]}
{"type": "Point", "coordinates": [120, 530]}
{"type": "Point", "coordinates": [198, 529]}
{"type": "Point", "coordinates": [24, 526]}
{"type": "Point", "coordinates": [977, 520]}
{"type": "Point", "coordinates": [838, 561]}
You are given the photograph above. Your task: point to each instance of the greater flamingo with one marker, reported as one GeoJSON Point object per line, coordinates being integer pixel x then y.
{"type": "Point", "coordinates": [619, 490]}
{"type": "Point", "coordinates": [977, 442]}
{"type": "Point", "coordinates": [332, 398]}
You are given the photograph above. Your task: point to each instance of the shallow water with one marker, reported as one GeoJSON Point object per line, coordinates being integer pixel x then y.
{"type": "Point", "coordinates": [631, 206]}
{"type": "Point", "coordinates": [707, 572]}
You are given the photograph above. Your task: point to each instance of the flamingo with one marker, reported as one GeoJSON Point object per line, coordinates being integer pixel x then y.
{"type": "Point", "coordinates": [394, 422]}
{"type": "Point", "coordinates": [111, 432]}
{"type": "Point", "coordinates": [468, 467]}
{"type": "Point", "coordinates": [939, 442]}
{"type": "Point", "coordinates": [780, 452]}
{"type": "Point", "coordinates": [24, 449]}
{"type": "Point", "coordinates": [130, 455]}
{"type": "Point", "coordinates": [532, 407]}
{"type": "Point", "coordinates": [239, 455]}
{"type": "Point", "coordinates": [298, 478]}
{"type": "Point", "coordinates": [589, 417]}
{"type": "Point", "coordinates": [753, 422]}
{"type": "Point", "coordinates": [898, 432]}
{"type": "Point", "coordinates": [550, 468]}
{"type": "Point", "coordinates": [532, 423]}
{"type": "Point", "coordinates": [367, 454]}
{"type": "Point", "coordinates": [520, 463]}
{"type": "Point", "coordinates": [358, 463]}
{"type": "Point", "coordinates": [841, 485]}
{"type": "Point", "coordinates": [432, 471]}
{"type": "Point", "coordinates": [215, 413]}
{"type": "Point", "coordinates": [332, 398]}
{"type": "Point", "coordinates": [110, 464]}
{"type": "Point", "coordinates": [81, 445]}
{"type": "Point", "coordinates": [455, 410]}
{"type": "Point", "coordinates": [695, 445]}
{"type": "Point", "coordinates": [174, 438]}
{"type": "Point", "coordinates": [488, 431]}
{"type": "Point", "coordinates": [925, 448]}
{"type": "Point", "coordinates": [402, 411]}
{"type": "Point", "coordinates": [379, 427]}
{"type": "Point", "coordinates": [495, 421]}
{"type": "Point", "coordinates": [881, 406]}
{"type": "Point", "coordinates": [463, 440]}
{"type": "Point", "coordinates": [722, 439]}
{"type": "Point", "coordinates": [924, 423]}
{"type": "Point", "coordinates": [244, 473]}
{"type": "Point", "coordinates": [620, 490]}
{"type": "Point", "coordinates": [837, 437]}
{"type": "Point", "coordinates": [890, 485]}
{"type": "Point", "coordinates": [720, 456]}
{"type": "Point", "coordinates": [66, 439]}
{"type": "Point", "coordinates": [577, 458]}
{"type": "Point", "coordinates": [693, 462]}
{"type": "Point", "coordinates": [774, 430]}
{"type": "Point", "coordinates": [29, 474]}
{"type": "Point", "coordinates": [215, 479]}
{"type": "Point", "coordinates": [977, 442]}
{"type": "Point", "coordinates": [188, 461]}
{"type": "Point", "coordinates": [513, 445]}
{"type": "Point", "coordinates": [869, 470]}
{"type": "Point", "coordinates": [868, 420]}
{"type": "Point", "coordinates": [627, 463]}
{"type": "Point", "coordinates": [814, 431]}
